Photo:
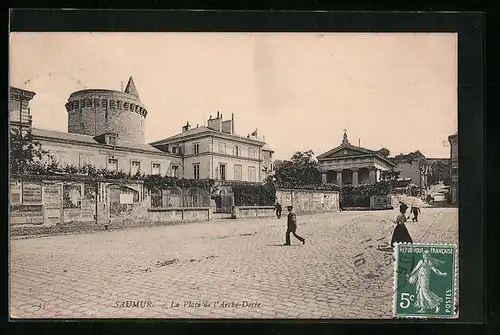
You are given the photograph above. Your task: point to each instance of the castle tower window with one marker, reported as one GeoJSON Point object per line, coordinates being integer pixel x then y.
{"type": "Point", "coordinates": [196, 148]}
{"type": "Point", "coordinates": [131, 107]}
{"type": "Point", "coordinates": [96, 102]}
{"type": "Point", "coordinates": [111, 104]}
{"type": "Point", "coordinates": [119, 104]}
{"type": "Point", "coordinates": [126, 105]}
{"type": "Point", "coordinates": [76, 104]}
{"type": "Point", "coordinates": [104, 103]}
{"type": "Point", "coordinates": [88, 103]}
{"type": "Point", "coordinates": [82, 103]}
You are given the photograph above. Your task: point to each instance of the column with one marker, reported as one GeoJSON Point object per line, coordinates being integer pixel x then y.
{"type": "Point", "coordinates": [339, 177]}
{"type": "Point", "coordinates": [373, 175]}
{"type": "Point", "coordinates": [323, 178]}
{"type": "Point", "coordinates": [354, 176]}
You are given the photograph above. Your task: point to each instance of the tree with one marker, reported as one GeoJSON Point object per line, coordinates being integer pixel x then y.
{"type": "Point", "coordinates": [384, 152]}
{"type": "Point", "coordinates": [26, 154]}
{"type": "Point", "coordinates": [300, 170]}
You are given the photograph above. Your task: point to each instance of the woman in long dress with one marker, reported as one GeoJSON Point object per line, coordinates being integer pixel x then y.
{"type": "Point", "coordinates": [425, 298]}
{"type": "Point", "coordinates": [401, 234]}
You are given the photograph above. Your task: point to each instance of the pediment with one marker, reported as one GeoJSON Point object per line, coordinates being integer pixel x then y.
{"type": "Point", "coordinates": [344, 151]}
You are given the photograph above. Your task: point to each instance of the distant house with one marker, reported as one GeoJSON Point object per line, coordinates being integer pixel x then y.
{"type": "Point", "coordinates": [453, 139]}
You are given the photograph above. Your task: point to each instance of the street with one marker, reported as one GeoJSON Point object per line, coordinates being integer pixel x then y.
{"type": "Point", "coordinates": [220, 269]}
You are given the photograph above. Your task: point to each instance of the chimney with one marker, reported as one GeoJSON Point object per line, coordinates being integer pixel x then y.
{"type": "Point", "coordinates": [220, 123]}
{"type": "Point", "coordinates": [232, 123]}
{"type": "Point", "coordinates": [186, 127]}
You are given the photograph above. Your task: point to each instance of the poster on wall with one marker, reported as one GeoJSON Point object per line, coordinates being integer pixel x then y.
{"type": "Point", "coordinates": [32, 194]}
{"type": "Point", "coordinates": [126, 198]}
{"type": "Point", "coordinates": [88, 207]}
{"type": "Point", "coordinates": [15, 193]}
{"type": "Point", "coordinates": [52, 202]}
{"type": "Point", "coordinates": [72, 196]}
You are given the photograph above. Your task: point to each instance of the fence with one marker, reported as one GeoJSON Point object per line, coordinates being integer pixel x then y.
{"type": "Point", "coordinates": [177, 197]}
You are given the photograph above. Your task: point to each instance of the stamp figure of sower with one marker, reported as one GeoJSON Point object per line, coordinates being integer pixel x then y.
{"type": "Point", "coordinates": [420, 276]}
{"type": "Point", "coordinates": [425, 280]}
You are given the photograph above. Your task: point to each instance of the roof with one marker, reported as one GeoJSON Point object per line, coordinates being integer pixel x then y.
{"type": "Point", "coordinates": [26, 93]}
{"type": "Point", "coordinates": [58, 135]}
{"type": "Point", "coordinates": [266, 147]}
{"type": "Point", "coordinates": [354, 148]}
{"type": "Point", "coordinates": [131, 89]}
{"type": "Point", "coordinates": [198, 131]}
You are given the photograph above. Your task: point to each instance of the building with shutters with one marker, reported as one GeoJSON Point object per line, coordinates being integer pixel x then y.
{"type": "Point", "coordinates": [216, 152]}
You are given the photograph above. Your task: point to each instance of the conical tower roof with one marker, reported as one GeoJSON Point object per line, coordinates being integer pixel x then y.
{"type": "Point", "coordinates": [130, 89]}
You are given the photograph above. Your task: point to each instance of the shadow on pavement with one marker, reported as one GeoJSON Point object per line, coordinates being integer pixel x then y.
{"type": "Point", "coordinates": [282, 245]}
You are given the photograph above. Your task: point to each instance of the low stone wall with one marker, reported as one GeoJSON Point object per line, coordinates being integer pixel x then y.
{"type": "Point", "coordinates": [308, 201]}
{"type": "Point", "coordinates": [179, 214]}
{"type": "Point", "coordinates": [240, 212]}
{"type": "Point", "coordinates": [381, 202]}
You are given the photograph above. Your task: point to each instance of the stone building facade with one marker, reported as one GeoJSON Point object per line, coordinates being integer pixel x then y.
{"type": "Point", "coordinates": [352, 165]}
{"type": "Point", "coordinates": [19, 110]}
{"type": "Point", "coordinates": [216, 152]}
{"type": "Point", "coordinates": [453, 139]}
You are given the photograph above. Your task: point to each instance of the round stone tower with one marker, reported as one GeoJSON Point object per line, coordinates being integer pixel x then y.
{"type": "Point", "coordinates": [97, 111]}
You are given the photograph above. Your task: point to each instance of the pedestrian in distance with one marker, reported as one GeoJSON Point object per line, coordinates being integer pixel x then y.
{"type": "Point", "coordinates": [401, 234]}
{"type": "Point", "coordinates": [292, 227]}
{"type": "Point", "coordinates": [415, 211]}
{"type": "Point", "coordinates": [278, 209]}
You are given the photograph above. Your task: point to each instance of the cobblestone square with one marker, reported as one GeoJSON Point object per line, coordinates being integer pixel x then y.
{"type": "Point", "coordinates": [220, 269]}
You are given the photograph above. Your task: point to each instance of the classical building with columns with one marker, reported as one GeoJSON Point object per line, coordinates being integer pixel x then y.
{"type": "Point", "coordinates": [352, 165]}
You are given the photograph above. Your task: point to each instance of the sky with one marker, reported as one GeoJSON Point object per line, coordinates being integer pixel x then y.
{"type": "Point", "coordinates": [299, 90]}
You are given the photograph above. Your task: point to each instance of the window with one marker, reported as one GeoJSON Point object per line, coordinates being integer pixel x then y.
{"type": "Point", "coordinates": [135, 167]}
{"type": "Point", "coordinates": [222, 171]}
{"type": "Point", "coordinates": [175, 171]}
{"type": "Point", "coordinates": [155, 168]}
{"type": "Point", "coordinates": [96, 102]}
{"type": "Point", "coordinates": [196, 148]}
{"type": "Point", "coordinates": [111, 104]}
{"type": "Point", "coordinates": [119, 104]}
{"type": "Point", "coordinates": [174, 150]}
{"type": "Point", "coordinates": [113, 164]}
{"type": "Point", "coordinates": [251, 152]}
{"type": "Point", "coordinates": [111, 140]}
{"type": "Point", "coordinates": [251, 173]}
{"type": "Point", "coordinates": [125, 105]}
{"type": "Point", "coordinates": [236, 150]}
{"type": "Point", "coordinates": [104, 103]}
{"type": "Point", "coordinates": [88, 103]}
{"type": "Point", "coordinates": [222, 148]}
{"type": "Point", "coordinates": [85, 159]}
{"type": "Point", "coordinates": [196, 170]}
{"type": "Point", "coordinates": [237, 172]}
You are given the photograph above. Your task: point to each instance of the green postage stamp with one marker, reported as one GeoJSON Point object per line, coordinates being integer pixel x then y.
{"type": "Point", "coordinates": [424, 280]}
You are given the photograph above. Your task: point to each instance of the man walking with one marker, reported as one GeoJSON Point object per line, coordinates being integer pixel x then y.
{"type": "Point", "coordinates": [292, 227]}
{"type": "Point", "coordinates": [278, 209]}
